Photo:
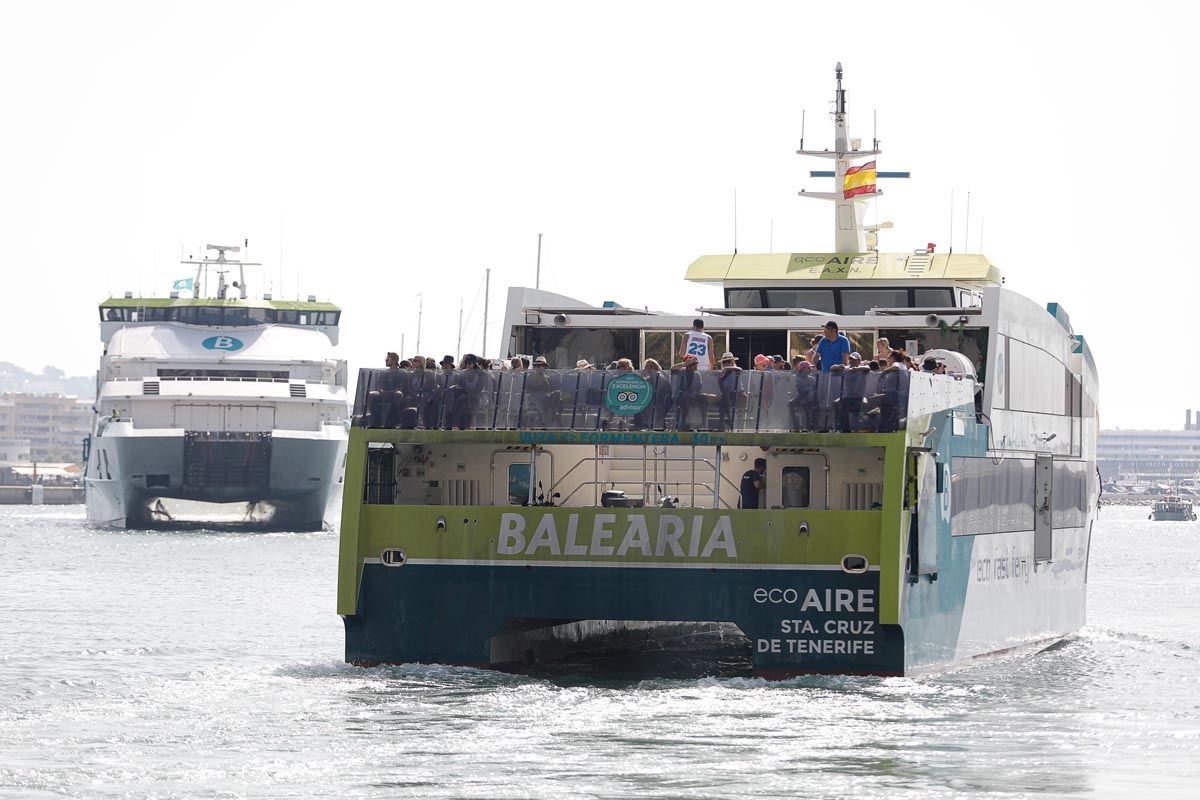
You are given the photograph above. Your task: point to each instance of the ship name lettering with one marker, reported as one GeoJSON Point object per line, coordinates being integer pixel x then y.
{"type": "Point", "coordinates": [667, 540]}
{"type": "Point", "coordinates": [860, 601]}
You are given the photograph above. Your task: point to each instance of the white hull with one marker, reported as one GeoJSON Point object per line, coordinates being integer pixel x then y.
{"type": "Point", "coordinates": [142, 480]}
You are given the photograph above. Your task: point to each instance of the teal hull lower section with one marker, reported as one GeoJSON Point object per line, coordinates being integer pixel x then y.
{"type": "Point", "coordinates": [797, 621]}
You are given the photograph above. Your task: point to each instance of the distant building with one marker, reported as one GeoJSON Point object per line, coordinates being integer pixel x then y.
{"type": "Point", "coordinates": [54, 425]}
{"type": "Point", "coordinates": [1151, 456]}
{"type": "Point", "coordinates": [14, 451]}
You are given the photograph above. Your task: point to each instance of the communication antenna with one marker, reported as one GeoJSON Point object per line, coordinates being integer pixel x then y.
{"type": "Point", "coordinates": [735, 222]}
{"type": "Point", "coordinates": [537, 282]}
{"type": "Point", "coordinates": [803, 114]}
{"type": "Point", "coordinates": [242, 269]}
{"type": "Point", "coordinates": [420, 311]}
{"type": "Point", "coordinates": [951, 220]}
{"type": "Point", "coordinates": [487, 285]}
{"type": "Point", "coordinates": [458, 347]}
{"type": "Point", "coordinates": [967, 227]}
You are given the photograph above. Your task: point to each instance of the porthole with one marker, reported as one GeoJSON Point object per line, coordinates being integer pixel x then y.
{"type": "Point", "coordinates": [393, 557]}
{"type": "Point", "coordinates": [855, 564]}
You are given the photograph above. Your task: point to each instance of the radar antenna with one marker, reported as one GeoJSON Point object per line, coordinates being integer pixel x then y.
{"type": "Point", "coordinates": [219, 265]}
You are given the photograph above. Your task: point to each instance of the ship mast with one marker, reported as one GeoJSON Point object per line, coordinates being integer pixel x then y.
{"type": "Point", "coordinates": [849, 233]}
{"type": "Point", "coordinates": [220, 265]}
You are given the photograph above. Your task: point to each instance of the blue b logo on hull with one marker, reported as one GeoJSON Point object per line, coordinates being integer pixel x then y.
{"type": "Point", "coordinates": [222, 343]}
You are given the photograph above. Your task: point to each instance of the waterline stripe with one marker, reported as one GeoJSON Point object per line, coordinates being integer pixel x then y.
{"type": "Point", "coordinates": [616, 564]}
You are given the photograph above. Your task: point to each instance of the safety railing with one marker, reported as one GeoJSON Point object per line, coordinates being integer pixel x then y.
{"type": "Point", "coordinates": [592, 400]}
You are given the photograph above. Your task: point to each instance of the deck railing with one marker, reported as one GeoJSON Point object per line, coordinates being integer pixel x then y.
{"type": "Point", "coordinates": [587, 400]}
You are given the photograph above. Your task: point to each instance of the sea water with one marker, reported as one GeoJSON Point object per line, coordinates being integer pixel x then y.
{"type": "Point", "coordinates": [208, 664]}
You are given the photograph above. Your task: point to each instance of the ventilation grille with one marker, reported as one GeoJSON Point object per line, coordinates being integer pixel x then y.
{"type": "Point", "coordinates": [298, 390]}
{"type": "Point", "coordinates": [149, 387]}
{"type": "Point", "coordinates": [460, 492]}
{"type": "Point", "coordinates": [861, 496]}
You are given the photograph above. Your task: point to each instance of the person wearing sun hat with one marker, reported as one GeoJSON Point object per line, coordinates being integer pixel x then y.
{"type": "Point", "coordinates": [688, 392]}
{"type": "Point", "coordinates": [727, 381]}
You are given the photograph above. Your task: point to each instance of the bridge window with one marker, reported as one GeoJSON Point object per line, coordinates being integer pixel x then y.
{"type": "Point", "coordinates": [208, 315]}
{"type": "Point", "coordinates": [857, 301]}
{"type": "Point", "coordinates": [816, 299]}
{"type": "Point", "coordinates": [933, 298]}
{"type": "Point", "coordinates": [846, 301]}
{"type": "Point", "coordinates": [246, 316]}
{"type": "Point", "coordinates": [744, 298]}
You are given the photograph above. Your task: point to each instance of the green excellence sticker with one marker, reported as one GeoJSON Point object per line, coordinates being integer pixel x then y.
{"type": "Point", "coordinates": [627, 395]}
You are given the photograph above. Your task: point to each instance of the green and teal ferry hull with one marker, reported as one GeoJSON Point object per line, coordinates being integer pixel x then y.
{"type": "Point", "coordinates": [885, 591]}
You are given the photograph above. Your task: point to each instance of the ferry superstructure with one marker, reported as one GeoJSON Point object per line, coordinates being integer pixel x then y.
{"type": "Point", "coordinates": [225, 409]}
{"type": "Point", "coordinates": [909, 520]}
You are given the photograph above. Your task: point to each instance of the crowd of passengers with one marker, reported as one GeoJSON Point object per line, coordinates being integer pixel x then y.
{"type": "Point", "coordinates": [403, 397]}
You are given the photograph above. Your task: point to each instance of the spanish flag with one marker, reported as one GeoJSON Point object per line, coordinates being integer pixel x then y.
{"type": "Point", "coordinates": [860, 180]}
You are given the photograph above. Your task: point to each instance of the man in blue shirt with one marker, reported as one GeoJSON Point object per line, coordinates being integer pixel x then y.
{"type": "Point", "coordinates": [752, 485]}
{"type": "Point", "coordinates": [834, 349]}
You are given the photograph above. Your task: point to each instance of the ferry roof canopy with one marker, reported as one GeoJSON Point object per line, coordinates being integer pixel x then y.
{"type": "Point", "coordinates": [760, 267]}
{"type": "Point", "coordinates": [181, 302]}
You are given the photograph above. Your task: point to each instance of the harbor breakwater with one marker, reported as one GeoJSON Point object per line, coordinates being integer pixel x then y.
{"type": "Point", "coordinates": [37, 495]}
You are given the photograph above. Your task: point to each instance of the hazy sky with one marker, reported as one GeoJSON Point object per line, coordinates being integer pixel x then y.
{"type": "Point", "coordinates": [395, 149]}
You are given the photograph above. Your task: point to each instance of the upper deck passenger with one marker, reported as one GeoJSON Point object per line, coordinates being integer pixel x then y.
{"type": "Point", "coordinates": [834, 349]}
{"type": "Point", "coordinates": [699, 344]}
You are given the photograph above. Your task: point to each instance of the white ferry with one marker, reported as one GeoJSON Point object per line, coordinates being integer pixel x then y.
{"type": "Point", "coordinates": [225, 409]}
{"type": "Point", "coordinates": [831, 520]}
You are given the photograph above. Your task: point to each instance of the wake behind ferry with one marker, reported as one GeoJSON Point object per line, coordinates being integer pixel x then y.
{"type": "Point", "coordinates": [225, 409]}
{"type": "Point", "coordinates": [842, 519]}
